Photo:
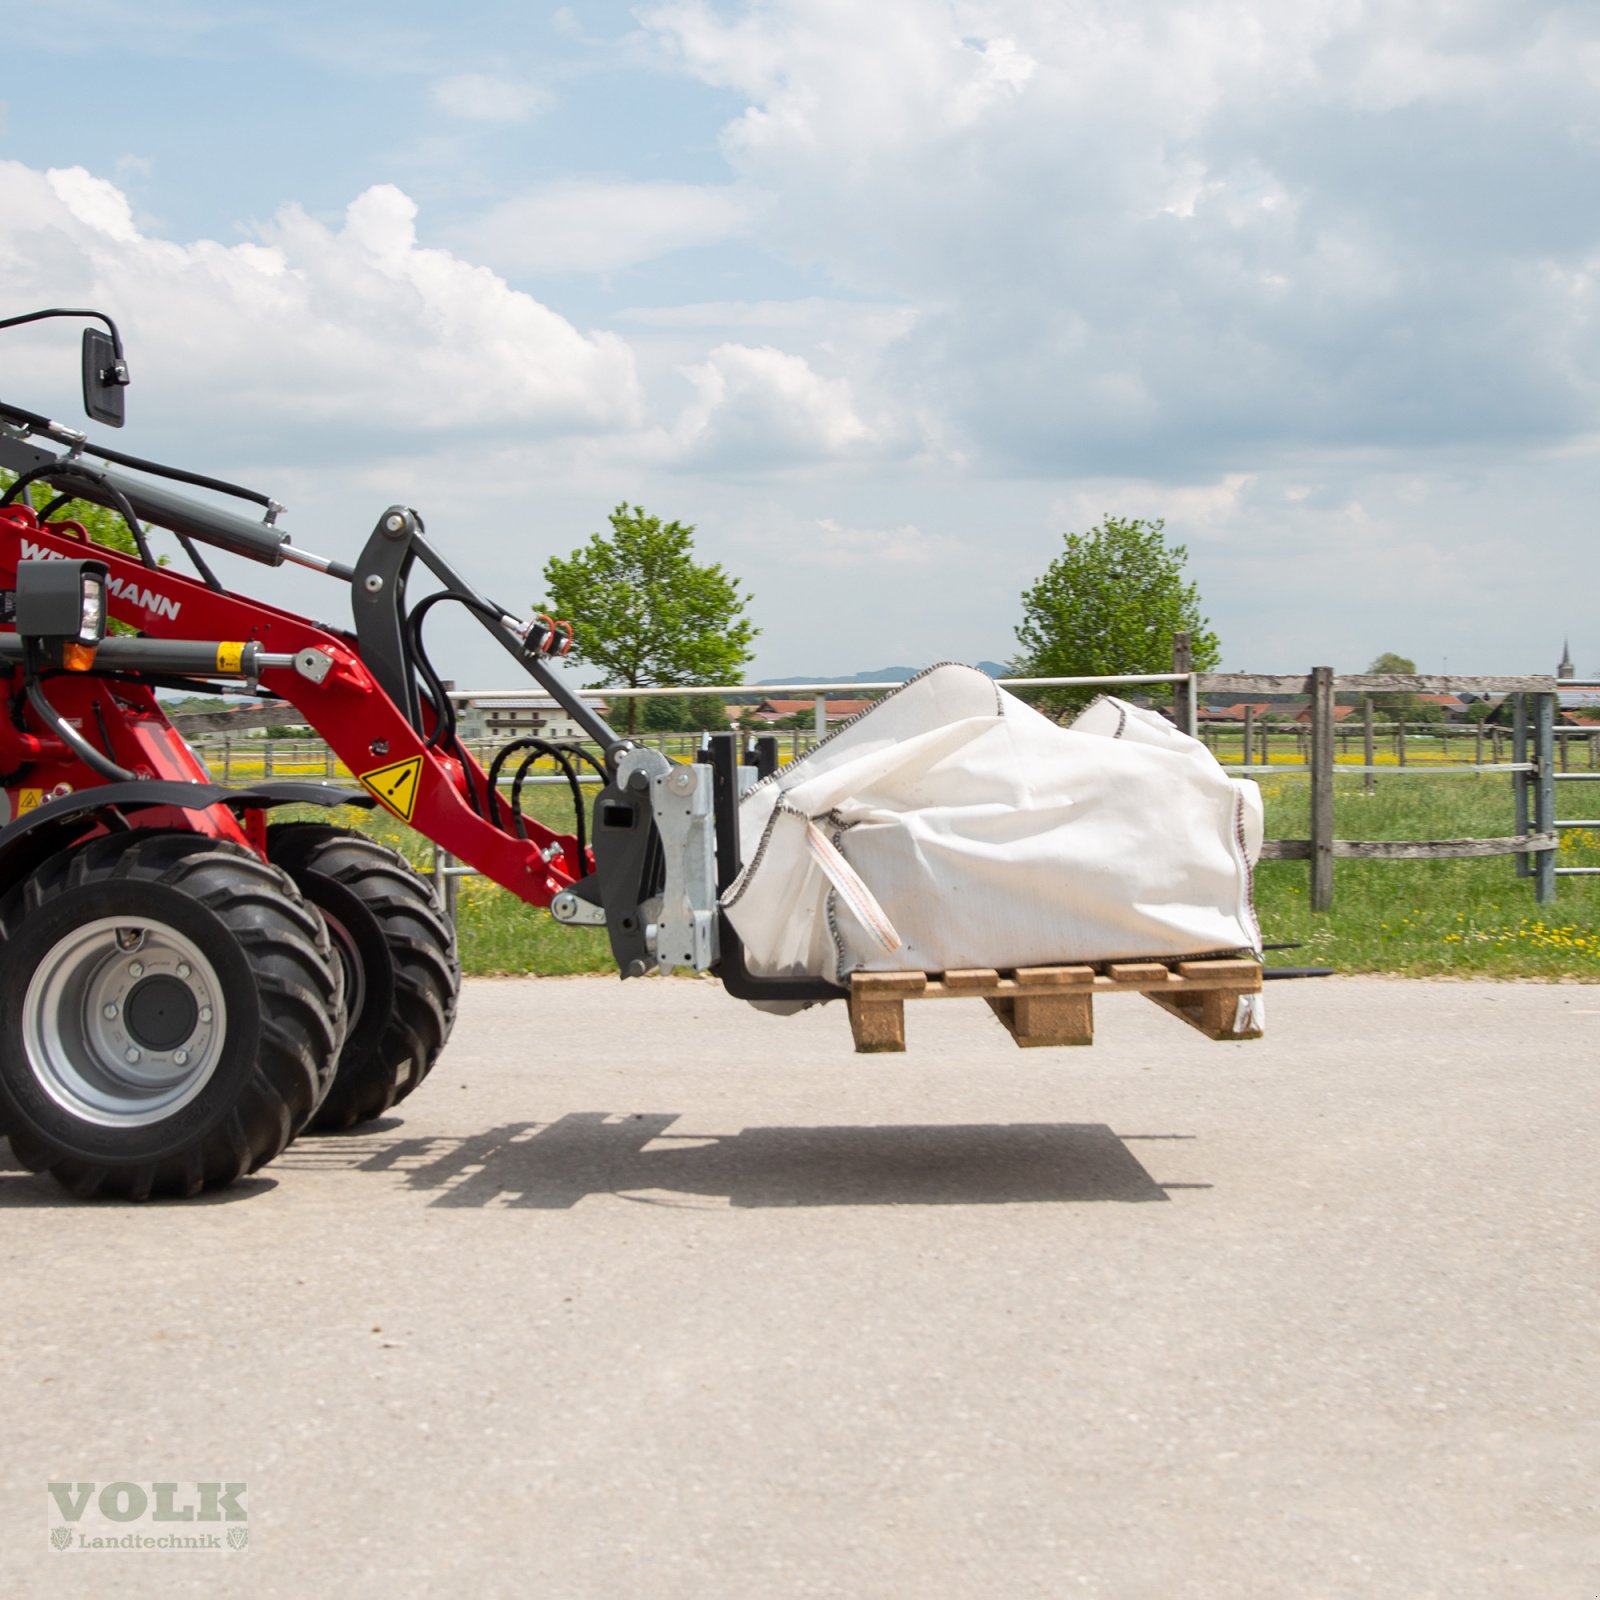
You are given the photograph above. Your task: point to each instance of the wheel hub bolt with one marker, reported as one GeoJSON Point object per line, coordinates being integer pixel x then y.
{"type": "Point", "coordinates": [183, 969]}
{"type": "Point", "coordinates": [205, 1013]}
{"type": "Point", "coordinates": [133, 1055]}
{"type": "Point", "coordinates": [109, 1012]}
{"type": "Point", "coordinates": [136, 969]}
{"type": "Point", "coordinates": [180, 1058]}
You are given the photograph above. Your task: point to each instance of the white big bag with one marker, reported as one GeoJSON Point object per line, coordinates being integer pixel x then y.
{"type": "Point", "coordinates": [952, 826]}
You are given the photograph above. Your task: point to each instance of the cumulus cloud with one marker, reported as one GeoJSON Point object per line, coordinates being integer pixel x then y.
{"type": "Point", "coordinates": [760, 408]}
{"type": "Point", "coordinates": [597, 226]}
{"type": "Point", "coordinates": [354, 322]}
{"type": "Point", "coordinates": [1180, 240]}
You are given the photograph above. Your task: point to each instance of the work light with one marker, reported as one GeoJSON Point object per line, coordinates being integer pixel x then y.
{"type": "Point", "coordinates": [61, 608]}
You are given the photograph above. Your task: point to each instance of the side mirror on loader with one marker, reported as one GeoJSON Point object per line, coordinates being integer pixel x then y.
{"type": "Point", "coordinates": [105, 376]}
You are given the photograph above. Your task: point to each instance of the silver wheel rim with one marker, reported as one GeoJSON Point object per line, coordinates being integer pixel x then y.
{"type": "Point", "coordinates": [123, 1022]}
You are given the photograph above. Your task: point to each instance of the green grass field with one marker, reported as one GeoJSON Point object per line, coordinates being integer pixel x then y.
{"type": "Point", "coordinates": [1431, 917]}
{"type": "Point", "coordinates": [1418, 918]}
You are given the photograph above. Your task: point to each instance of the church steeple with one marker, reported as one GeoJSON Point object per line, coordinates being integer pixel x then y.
{"type": "Point", "coordinates": [1566, 669]}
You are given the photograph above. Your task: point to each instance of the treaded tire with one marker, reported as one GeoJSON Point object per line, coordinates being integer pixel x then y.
{"type": "Point", "coordinates": [236, 957]}
{"type": "Point", "coordinates": [403, 975]}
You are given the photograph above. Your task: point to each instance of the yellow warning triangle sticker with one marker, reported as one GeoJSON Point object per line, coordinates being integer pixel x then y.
{"type": "Point", "coordinates": [396, 785]}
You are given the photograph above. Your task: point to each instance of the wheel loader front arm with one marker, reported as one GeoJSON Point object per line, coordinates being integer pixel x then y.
{"type": "Point", "coordinates": [323, 676]}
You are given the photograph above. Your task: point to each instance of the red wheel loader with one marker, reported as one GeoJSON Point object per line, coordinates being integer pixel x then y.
{"type": "Point", "coordinates": [186, 984]}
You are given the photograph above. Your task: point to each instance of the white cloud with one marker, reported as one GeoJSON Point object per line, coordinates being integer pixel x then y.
{"type": "Point", "coordinates": [598, 226]}
{"type": "Point", "coordinates": [757, 407]}
{"type": "Point", "coordinates": [1178, 239]}
{"type": "Point", "coordinates": [487, 97]}
{"type": "Point", "coordinates": [100, 206]}
{"type": "Point", "coordinates": [355, 322]}
{"type": "Point", "coordinates": [828, 542]}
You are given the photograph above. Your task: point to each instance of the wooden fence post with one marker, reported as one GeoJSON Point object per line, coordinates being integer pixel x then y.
{"type": "Point", "coordinates": [1249, 734]}
{"type": "Point", "coordinates": [1183, 696]}
{"type": "Point", "coordinates": [1368, 749]}
{"type": "Point", "coordinates": [1322, 698]}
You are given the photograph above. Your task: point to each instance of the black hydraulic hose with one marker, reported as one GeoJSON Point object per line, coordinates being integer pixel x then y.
{"type": "Point", "coordinates": [196, 480]}
{"type": "Point", "coordinates": [67, 734]}
{"type": "Point", "coordinates": [207, 576]}
{"type": "Point", "coordinates": [444, 711]}
{"type": "Point", "coordinates": [564, 756]}
{"type": "Point", "coordinates": [501, 756]}
{"type": "Point", "coordinates": [580, 825]}
{"type": "Point", "coordinates": [71, 469]}
{"type": "Point", "coordinates": [557, 753]}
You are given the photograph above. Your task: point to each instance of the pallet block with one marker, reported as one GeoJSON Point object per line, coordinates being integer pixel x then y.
{"type": "Point", "coordinates": [1055, 1005]}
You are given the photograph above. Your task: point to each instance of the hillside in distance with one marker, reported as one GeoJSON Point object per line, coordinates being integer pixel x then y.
{"type": "Point", "coordinates": [880, 675]}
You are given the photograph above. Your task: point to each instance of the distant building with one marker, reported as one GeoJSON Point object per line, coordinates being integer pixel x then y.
{"type": "Point", "coordinates": [1236, 713]}
{"type": "Point", "coordinates": [770, 711]}
{"type": "Point", "coordinates": [523, 716]}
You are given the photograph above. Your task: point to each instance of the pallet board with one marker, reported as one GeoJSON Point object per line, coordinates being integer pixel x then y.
{"type": "Point", "coordinates": [1055, 1005]}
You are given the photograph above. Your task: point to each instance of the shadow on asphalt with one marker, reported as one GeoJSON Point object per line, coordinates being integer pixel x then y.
{"type": "Point", "coordinates": [551, 1166]}
{"type": "Point", "coordinates": [24, 1191]}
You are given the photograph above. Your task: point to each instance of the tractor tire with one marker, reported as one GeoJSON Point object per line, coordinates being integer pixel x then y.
{"type": "Point", "coordinates": [171, 1014]}
{"type": "Point", "coordinates": [402, 973]}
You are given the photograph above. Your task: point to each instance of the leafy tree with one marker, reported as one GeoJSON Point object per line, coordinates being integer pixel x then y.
{"type": "Point", "coordinates": [644, 611]}
{"type": "Point", "coordinates": [1390, 662]}
{"type": "Point", "coordinates": [664, 714]}
{"type": "Point", "coordinates": [708, 713]}
{"type": "Point", "coordinates": [1402, 705]}
{"type": "Point", "coordinates": [1110, 604]}
{"type": "Point", "coordinates": [683, 713]}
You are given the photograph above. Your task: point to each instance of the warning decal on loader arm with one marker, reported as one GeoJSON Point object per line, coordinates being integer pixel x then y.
{"type": "Point", "coordinates": [396, 785]}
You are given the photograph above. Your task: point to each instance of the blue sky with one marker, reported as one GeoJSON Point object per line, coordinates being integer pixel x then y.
{"type": "Point", "coordinates": [882, 299]}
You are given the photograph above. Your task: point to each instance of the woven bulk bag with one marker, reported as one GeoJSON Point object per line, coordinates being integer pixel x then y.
{"type": "Point", "coordinates": [953, 826]}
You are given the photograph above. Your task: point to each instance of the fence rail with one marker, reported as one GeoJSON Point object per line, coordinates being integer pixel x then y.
{"type": "Point", "coordinates": [1541, 753]}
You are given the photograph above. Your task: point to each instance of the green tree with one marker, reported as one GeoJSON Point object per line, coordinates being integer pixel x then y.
{"type": "Point", "coordinates": [1401, 705]}
{"type": "Point", "coordinates": [708, 713]}
{"type": "Point", "coordinates": [683, 713]}
{"type": "Point", "coordinates": [1110, 604]}
{"type": "Point", "coordinates": [663, 713]}
{"type": "Point", "coordinates": [1390, 662]}
{"type": "Point", "coordinates": [644, 611]}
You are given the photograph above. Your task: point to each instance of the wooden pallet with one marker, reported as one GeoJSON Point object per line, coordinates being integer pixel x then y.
{"type": "Point", "coordinates": [1055, 1005]}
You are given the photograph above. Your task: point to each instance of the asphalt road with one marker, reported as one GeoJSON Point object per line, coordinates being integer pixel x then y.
{"type": "Point", "coordinates": [645, 1294]}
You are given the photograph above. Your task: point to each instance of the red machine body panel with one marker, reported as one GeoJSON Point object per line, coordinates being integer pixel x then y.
{"type": "Point", "coordinates": [348, 708]}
